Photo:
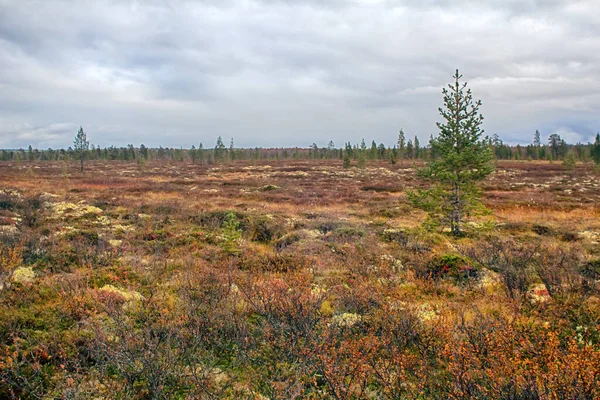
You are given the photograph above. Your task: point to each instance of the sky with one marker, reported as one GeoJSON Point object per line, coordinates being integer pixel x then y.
{"type": "Point", "coordinates": [291, 72]}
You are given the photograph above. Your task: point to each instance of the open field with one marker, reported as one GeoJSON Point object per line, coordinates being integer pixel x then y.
{"type": "Point", "coordinates": [294, 280]}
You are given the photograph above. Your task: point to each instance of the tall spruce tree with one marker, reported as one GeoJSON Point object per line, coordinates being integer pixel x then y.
{"type": "Point", "coordinates": [81, 146]}
{"type": "Point", "coordinates": [464, 158]}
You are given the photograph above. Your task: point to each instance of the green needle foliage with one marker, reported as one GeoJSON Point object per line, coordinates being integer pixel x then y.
{"type": "Point", "coordinates": [596, 150]}
{"type": "Point", "coordinates": [231, 233]}
{"type": "Point", "coordinates": [464, 158]}
{"type": "Point", "coordinates": [81, 146]}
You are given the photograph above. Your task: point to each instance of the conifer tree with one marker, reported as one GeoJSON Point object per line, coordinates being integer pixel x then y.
{"type": "Point", "coordinates": [393, 155]}
{"type": "Point", "coordinates": [144, 151]}
{"type": "Point", "coordinates": [464, 159]}
{"type": "Point", "coordinates": [346, 161]}
{"type": "Point", "coordinates": [373, 151]}
{"type": "Point", "coordinates": [417, 145]}
{"type": "Point", "coordinates": [554, 141]}
{"type": "Point", "coordinates": [596, 150]}
{"type": "Point", "coordinates": [409, 149]}
{"type": "Point", "coordinates": [201, 153]}
{"type": "Point", "coordinates": [219, 150]}
{"type": "Point", "coordinates": [362, 155]}
{"type": "Point", "coordinates": [537, 143]}
{"type": "Point", "coordinates": [193, 154]}
{"type": "Point", "coordinates": [401, 144]}
{"type": "Point", "coordinates": [231, 150]}
{"type": "Point", "coordinates": [81, 146]}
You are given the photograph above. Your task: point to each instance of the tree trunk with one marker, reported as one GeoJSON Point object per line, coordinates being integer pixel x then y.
{"type": "Point", "coordinates": [81, 160]}
{"type": "Point", "coordinates": [455, 220]}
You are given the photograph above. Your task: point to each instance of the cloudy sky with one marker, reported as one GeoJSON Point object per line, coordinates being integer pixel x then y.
{"type": "Point", "coordinates": [289, 73]}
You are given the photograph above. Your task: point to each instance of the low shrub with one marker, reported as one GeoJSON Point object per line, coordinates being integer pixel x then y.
{"type": "Point", "coordinates": [275, 262]}
{"type": "Point", "coordinates": [542, 230]}
{"type": "Point", "coordinates": [287, 241]}
{"type": "Point", "coordinates": [452, 266]}
{"type": "Point", "coordinates": [395, 236]}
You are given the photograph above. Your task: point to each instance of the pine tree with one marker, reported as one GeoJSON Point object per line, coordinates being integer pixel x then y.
{"type": "Point", "coordinates": [193, 154]}
{"type": "Point", "coordinates": [554, 141]}
{"type": "Point", "coordinates": [219, 150]}
{"type": "Point", "coordinates": [144, 151]}
{"type": "Point", "coordinates": [362, 155]}
{"type": "Point", "coordinates": [331, 151]}
{"type": "Point", "coordinates": [464, 159]}
{"type": "Point", "coordinates": [346, 162]}
{"type": "Point", "coordinates": [393, 155]}
{"type": "Point", "coordinates": [231, 150]}
{"type": "Point", "coordinates": [401, 144]}
{"type": "Point", "coordinates": [373, 151]}
{"type": "Point", "coordinates": [201, 153]}
{"type": "Point", "coordinates": [417, 145]}
{"type": "Point", "coordinates": [81, 146]}
{"type": "Point", "coordinates": [381, 151]}
{"type": "Point", "coordinates": [409, 149]}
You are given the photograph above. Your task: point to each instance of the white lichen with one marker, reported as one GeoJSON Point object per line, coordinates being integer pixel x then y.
{"type": "Point", "coordinates": [23, 275]}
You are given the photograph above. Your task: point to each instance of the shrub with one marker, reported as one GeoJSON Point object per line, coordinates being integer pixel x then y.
{"type": "Point", "coordinates": [346, 233]}
{"type": "Point", "coordinates": [286, 241]}
{"type": "Point", "coordinates": [395, 236]}
{"type": "Point", "coordinates": [452, 266]}
{"type": "Point", "coordinates": [512, 260]}
{"type": "Point", "coordinates": [542, 230]}
{"type": "Point", "coordinates": [275, 262]}
{"type": "Point", "coordinates": [215, 219]}
{"type": "Point", "coordinates": [264, 230]}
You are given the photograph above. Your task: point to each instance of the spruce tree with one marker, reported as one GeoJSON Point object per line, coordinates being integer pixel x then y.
{"type": "Point", "coordinates": [219, 150]}
{"type": "Point", "coordinates": [81, 146]}
{"type": "Point", "coordinates": [417, 145]}
{"type": "Point", "coordinates": [464, 158]}
{"type": "Point", "coordinates": [537, 143]}
{"type": "Point", "coordinates": [346, 161]}
{"type": "Point", "coordinates": [596, 150]}
{"type": "Point", "coordinates": [362, 155]}
{"type": "Point", "coordinates": [409, 149]}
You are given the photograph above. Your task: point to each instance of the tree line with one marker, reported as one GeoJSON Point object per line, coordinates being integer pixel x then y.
{"type": "Point", "coordinates": [555, 148]}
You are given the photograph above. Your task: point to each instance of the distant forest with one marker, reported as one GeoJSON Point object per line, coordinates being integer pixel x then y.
{"type": "Point", "coordinates": [554, 148]}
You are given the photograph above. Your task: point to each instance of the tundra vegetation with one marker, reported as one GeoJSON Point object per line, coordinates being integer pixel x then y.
{"type": "Point", "coordinates": [296, 279]}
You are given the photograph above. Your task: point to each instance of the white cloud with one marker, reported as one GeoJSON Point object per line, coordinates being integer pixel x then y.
{"type": "Point", "coordinates": [291, 72]}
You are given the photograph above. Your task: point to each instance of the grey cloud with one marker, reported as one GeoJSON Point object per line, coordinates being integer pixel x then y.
{"type": "Point", "coordinates": [291, 72]}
